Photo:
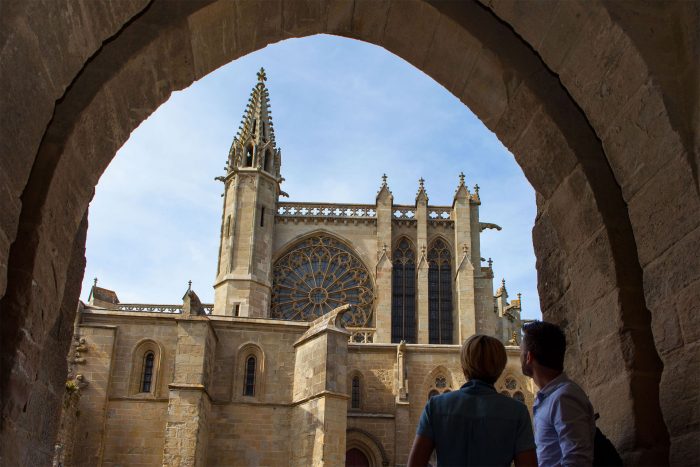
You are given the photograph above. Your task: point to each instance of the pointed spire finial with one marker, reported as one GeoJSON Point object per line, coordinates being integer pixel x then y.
{"type": "Point", "coordinates": [461, 178]}
{"type": "Point", "coordinates": [189, 285]}
{"type": "Point", "coordinates": [476, 189]}
{"type": "Point", "coordinates": [261, 75]}
{"type": "Point", "coordinates": [519, 295]}
{"type": "Point", "coordinates": [503, 282]}
{"type": "Point", "coordinates": [94, 283]}
{"type": "Point", "coordinates": [384, 178]}
{"type": "Point", "coordinates": [490, 262]}
{"type": "Point", "coordinates": [421, 183]}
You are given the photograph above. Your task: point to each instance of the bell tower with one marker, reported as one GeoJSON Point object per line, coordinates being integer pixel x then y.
{"type": "Point", "coordinates": [251, 191]}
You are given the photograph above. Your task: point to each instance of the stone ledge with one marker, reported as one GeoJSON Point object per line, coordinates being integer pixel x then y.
{"type": "Point", "coordinates": [329, 394]}
{"type": "Point", "coordinates": [370, 415]}
{"type": "Point", "coordinates": [138, 399]}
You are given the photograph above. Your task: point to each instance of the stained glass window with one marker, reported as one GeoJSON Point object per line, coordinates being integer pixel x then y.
{"type": "Point", "coordinates": [318, 275]}
{"type": "Point", "coordinates": [403, 298]}
{"type": "Point", "coordinates": [249, 388]}
{"type": "Point", "coordinates": [355, 396]}
{"type": "Point", "coordinates": [147, 378]}
{"type": "Point", "coordinates": [439, 293]}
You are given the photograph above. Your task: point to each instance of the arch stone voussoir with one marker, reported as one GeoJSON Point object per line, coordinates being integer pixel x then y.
{"type": "Point", "coordinates": [569, 87]}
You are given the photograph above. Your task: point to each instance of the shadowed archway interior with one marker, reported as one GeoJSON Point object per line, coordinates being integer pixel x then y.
{"type": "Point", "coordinates": [573, 90]}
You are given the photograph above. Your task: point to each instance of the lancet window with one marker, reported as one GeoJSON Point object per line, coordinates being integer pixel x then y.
{"type": "Point", "coordinates": [355, 394]}
{"type": "Point", "coordinates": [439, 293]}
{"type": "Point", "coordinates": [249, 386]}
{"type": "Point", "coordinates": [147, 377]}
{"type": "Point", "coordinates": [403, 297]}
{"type": "Point", "coordinates": [317, 275]}
{"type": "Point", "coordinates": [249, 156]}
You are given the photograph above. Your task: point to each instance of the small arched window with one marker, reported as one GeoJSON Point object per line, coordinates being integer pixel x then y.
{"type": "Point", "coordinates": [355, 395]}
{"type": "Point", "coordinates": [147, 377]}
{"type": "Point", "coordinates": [249, 386]}
{"type": "Point", "coordinates": [249, 157]}
{"type": "Point", "coordinates": [268, 161]}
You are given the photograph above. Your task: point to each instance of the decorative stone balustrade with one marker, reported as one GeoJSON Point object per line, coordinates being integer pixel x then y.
{"type": "Point", "coordinates": [361, 335]}
{"type": "Point", "coordinates": [146, 308]}
{"type": "Point", "coordinates": [305, 210]}
{"type": "Point", "coordinates": [435, 213]}
{"type": "Point", "coordinates": [441, 213]}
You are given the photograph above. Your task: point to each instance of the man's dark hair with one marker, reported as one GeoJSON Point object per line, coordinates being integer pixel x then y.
{"type": "Point", "coordinates": [546, 342]}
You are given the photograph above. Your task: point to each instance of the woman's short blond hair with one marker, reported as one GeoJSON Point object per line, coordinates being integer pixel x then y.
{"type": "Point", "coordinates": [483, 358]}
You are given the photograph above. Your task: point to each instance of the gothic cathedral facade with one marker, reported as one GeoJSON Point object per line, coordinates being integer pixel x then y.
{"type": "Point", "coordinates": [331, 326]}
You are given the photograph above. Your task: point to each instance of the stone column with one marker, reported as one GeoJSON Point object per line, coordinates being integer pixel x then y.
{"type": "Point", "coordinates": [422, 265]}
{"type": "Point", "coordinates": [189, 405]}
{"type": "Point", "coordinates": [319, 416]}
{"type": "Point", "coordinates": [464, 313]}
{"type": "Point", "coordinates": [382, 308]}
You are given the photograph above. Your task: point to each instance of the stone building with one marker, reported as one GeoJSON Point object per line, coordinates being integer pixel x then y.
{"type": "Point", "coordinates": [332, 325]}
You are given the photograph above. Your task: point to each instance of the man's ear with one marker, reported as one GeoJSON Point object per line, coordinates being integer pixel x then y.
{"type": "Point", "coordinates": [528, 357]}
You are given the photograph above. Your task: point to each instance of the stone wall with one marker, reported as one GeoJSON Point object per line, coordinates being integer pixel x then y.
{"type": "Point", "coordinates": [599, 109]}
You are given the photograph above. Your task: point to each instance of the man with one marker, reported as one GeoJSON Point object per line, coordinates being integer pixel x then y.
{"type": "Point", "coordinates": [563, 415]}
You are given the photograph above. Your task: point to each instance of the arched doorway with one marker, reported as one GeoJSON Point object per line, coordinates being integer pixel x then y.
{"type": "Point", "coordinates": [553, 83]}
{"type": "Point", "coordinates": [356, 458]}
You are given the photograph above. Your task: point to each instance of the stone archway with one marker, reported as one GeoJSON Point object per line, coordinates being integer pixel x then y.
{"type": "Point", "coordinates": [371, 448]}
{"type": "Point", "coordinates": [573, 91]}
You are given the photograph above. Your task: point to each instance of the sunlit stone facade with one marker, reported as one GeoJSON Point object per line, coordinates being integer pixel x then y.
{"type": "Point", "coordinates": [332, 325]}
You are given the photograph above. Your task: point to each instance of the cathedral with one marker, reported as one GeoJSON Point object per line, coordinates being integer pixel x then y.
{"type": "Point", "coordinates": [331, 326]}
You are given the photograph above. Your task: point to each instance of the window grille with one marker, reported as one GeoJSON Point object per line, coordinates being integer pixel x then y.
{"type": "Point", "coordinates": [403, 298]}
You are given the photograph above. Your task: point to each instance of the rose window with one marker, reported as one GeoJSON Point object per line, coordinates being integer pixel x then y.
{"type": "Point", "coordinates": [317, 275]}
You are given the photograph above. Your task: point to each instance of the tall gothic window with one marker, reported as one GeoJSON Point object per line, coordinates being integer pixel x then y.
{"type": "Point", "coordinates": [439, 293]}
{"type": "Point", "coordinates": [147, 377]}
{"type": "Point", "coordinates": [249, 387]}
{"type": "Point", "coordinates": [355, 395]}
{"type": "Point", "coordinates": [403, 293]}
{"type": "Point", "coordinates": [317, 275]}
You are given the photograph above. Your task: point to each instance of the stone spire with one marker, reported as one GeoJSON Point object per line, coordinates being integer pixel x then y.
{"type": "Point", "coordinates": [421, 195]}
{"type": "Point", "coordinates": [257, 119]}
{"type": "Point", "coordinates": [254, 144]}
{"type": "Point", "coordinates": [462, 192]}
{"type": "Point", "coordinates": [384, 192]}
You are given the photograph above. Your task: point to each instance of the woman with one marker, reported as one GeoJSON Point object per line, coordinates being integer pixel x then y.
{"type": "Point", "coordinates": [476, 425]}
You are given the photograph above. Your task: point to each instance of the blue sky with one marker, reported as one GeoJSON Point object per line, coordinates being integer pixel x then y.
{"type": "Point", "coordinates": [345, 112]}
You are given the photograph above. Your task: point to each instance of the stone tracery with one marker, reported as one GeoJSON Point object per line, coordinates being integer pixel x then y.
{"type": "Point", "coordinates": [317, 275]}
